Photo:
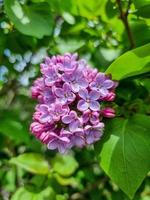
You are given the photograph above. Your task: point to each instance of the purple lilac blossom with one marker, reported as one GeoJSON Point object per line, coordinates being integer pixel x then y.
{"type": "Point", "coordinates": [70, 94]}
{"type": "Point", "coordinates": [102, 84]}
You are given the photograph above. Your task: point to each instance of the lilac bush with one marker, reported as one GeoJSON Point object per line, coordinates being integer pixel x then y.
{"type": "Point", "coordinates": [70, 95]}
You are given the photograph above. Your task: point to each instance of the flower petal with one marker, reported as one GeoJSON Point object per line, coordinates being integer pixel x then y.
{"type": "Point", "coordinates": [103, 92]}
{"type": "Point", "coordinates": [78, 141]}
{"type": "Point", "coordinates": [73, 126]}
{"type": "Point", "coordinates": [52, 144]}
{"type": "Point", "coordinates": [66, 119]}
{"type": "Point", "coordinates": [108, 84]}
{"type": "Point", "coordinates": [59, 92]}
{"type": "Point", "coordinates": [83, 93]}
{"type": "Point", "coordinates": [82, 105]}
{"type": "Point", "coordinates": [94, 105]}
{"type": "Point", "coordinates": [100, 78]}
{"type": "Point", "coordinates": [94, 95]}
{"type": "Point", "coordinates": [75, 87]}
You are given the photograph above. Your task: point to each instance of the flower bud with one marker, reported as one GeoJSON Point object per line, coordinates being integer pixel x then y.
{"type": "Point", "coordinates": [108, 112]}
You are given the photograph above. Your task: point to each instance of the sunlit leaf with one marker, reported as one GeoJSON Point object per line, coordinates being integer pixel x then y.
{"type": "Point", "coordinates": [131, 63]}
{"type": "Point", "coordinates": [32, 20]}
{"type": "Point", "coordinates": [23, 193]}
{"type": "Point", "coordinates": [64, 165]}
{"type": "Point", "coordinates": [32, 162]}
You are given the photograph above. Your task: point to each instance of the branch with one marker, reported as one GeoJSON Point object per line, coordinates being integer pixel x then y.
{"type": "Point", "coordinates": [124, 18]}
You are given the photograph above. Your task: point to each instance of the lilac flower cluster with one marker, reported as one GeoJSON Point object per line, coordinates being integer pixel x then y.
{"type": "Point", "coordinates": [70, 94]}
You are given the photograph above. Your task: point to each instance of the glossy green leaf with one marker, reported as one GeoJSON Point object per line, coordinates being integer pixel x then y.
{"type": "Point", "coordinates": [124, 151]}
{"type": "Point", "coordinates": [32, 20]}
{"type": "Point", "coordinates": [24, 193]}
{"type": "Point", "coordinates": [131, 63]}
{"type": "Point", "coordinates": [64, 165]}
{"type": "Point", "coordinates": [32, 162]}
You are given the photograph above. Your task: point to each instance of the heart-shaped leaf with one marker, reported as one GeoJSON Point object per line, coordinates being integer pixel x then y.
{"type": "Point", "coordinates": [124, 151]}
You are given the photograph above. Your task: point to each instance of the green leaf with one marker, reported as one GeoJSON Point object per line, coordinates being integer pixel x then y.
{"type": "Point", "coordinates": [124, 151]}
{"type": "Point", "coordinates": [70, 45]}
{"type": "Point", "coordinates": [24, 193]}
{"type": "Point", "coordinates": [88, 8]}
{"type": "Point", "coordinates": [61, 197]}
{"type": "Point", "coordinates": [34, 20]}
{"type": "Point", "coordinates": [131, 63]}
{"type": "Point", "coordinates": [140, 3]}
{"type": "Point", "coordinates": [31, 162]}
{"type": "Point", "coordinates": [15, 130]}
{"type": "Point", "coordinates": [138, 28]}
{"type": "Point", "coordinates": [143, 7]}
{"type": "Point", "coordinates": [64, 165]}
{"type": "Point", "coordinates": [65, 181]}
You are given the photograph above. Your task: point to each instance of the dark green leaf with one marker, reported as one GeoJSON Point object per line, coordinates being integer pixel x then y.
{"type": "Point", "coordinates": [143, 7]}
{"type": "Point", "coordinates": [124, 151]}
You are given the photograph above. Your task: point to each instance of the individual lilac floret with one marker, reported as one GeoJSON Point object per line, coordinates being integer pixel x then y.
{"type": "Point", "coordinates": [93, 133]}
{"type": "Point", "coordinates": [59, 142]}
{"type": "Point", "coordinates": [102, 84]}
{"type": "Point", "coordinates": [72, 120]}
{"type": "Point", "coordinates": [64, 94]}
{"type": "Point", "coordinates": [69, 95]}
{"type": "Point", "coordinates": [43, 114]}
{"type": "Point", "coordinates": [90, 116]}
{"type": "Point", "coordinates": [89, 100]}
{"type": "Point", "coordinates": [51, 76]}
{"type": "Point", "coordinates": [48, 96]}
{"type": "Point", "coordinates": [76, 80]}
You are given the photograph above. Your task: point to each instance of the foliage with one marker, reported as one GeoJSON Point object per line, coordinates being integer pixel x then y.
{"type": "Point", "coordinates": [113, 36]}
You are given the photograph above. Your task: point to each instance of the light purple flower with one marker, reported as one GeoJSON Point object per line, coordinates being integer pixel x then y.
{"type": "Point", "coordinates": [65, 94]}
{"type": "Point", "coordinates": [76, 80]}
{"type": "Point", "coordinates": [69, 63]}
{"type": "Point", "coordinates": [43, 114]}
{"type": "Point", "coordinates": [58, 110]}
{"type": "Point", "coordinates": [59, 142]}
{"type": "Point", "coordinates": [93, 133]}
{"type": "Point", "coordinates": [90, 73]}
{"type": "Point", "coordinates": [48, 96]}
{"type": "Point", "coordinates": [69, 95]}
{"type": "Point", "coordinates": [73, 120]}
{"type": "Point", "coordinates": [77, 138]}
{"type": "Point", "coordinates": [102, 84]}
{"type": "Point", "coordinates": [88, 100]}
{"type": "Point", "coordinates": [51, 76]}
{"type": "Point", "coordinates": [90, 116]}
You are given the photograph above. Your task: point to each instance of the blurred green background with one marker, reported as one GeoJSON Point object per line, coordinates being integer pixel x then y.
{"type": "Point", "coordinates": [100, 31]}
